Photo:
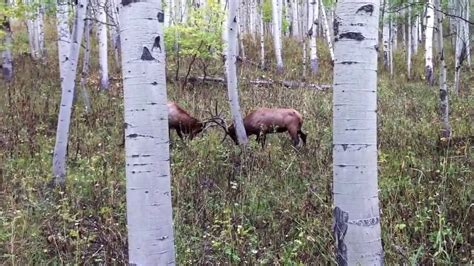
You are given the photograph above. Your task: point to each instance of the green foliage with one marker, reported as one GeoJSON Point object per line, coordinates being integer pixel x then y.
{"type": "Point", "coordinates": [267, 8]}
{"type": "Point", "coordinates": [200, 35]}
{"type": "Point", "coordinates": [267, 11]}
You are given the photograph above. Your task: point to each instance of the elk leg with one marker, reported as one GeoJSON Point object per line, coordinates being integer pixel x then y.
{"type": "Point", "coordinates": [178, 131]}
{"type": "Point", "coordinates": [261, 138]}
{"type": "Point", "coordinates": [294, 137]}
{"type": "Point", "coordinates": [264, 139]}
{"type": "Point", "coordinates": [303, 136]}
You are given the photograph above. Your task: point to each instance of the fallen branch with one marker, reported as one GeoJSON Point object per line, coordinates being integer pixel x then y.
{"type": "Point", "coordinates": [291, 84]}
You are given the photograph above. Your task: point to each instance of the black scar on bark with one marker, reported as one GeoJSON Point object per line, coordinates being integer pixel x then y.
{"type": "Point", "coordinates": [146, 55]}
{"type": "Point", "coordinates": [442, 95]}
{"type": "Point", "coordinates": [161, 16]}
{"type": "Point", "coordinates": [235, 19]}
{"type": "Point", "coordinates": [6, 26]}
{"type": "Point", "coordinates": [156, 44]}
{"type": "Point", "coordinates": [335, 25]}
{"type": "Point", "coordinates": [127, 2]}
{"type": "Point", "coordinates": [352, 35]}
{"type": "Point", "coordinates": [366, 8]}
{"type": "Point", "coordinates": [340, 226]}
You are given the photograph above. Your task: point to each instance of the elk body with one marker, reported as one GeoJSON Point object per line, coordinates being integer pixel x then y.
{"type": "Point", "coordinates": [182, 122]}
{"type": "Point", "coordinates": [264, 121]}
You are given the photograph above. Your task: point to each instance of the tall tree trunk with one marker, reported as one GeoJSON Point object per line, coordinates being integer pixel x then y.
{"type": "Point", "coordinates": [305, 57]}
{"type": "Point", "coordinates": [262, 36]}
{"type": "Point", "coordinates": [33, 34]}
{"type": "Point", "coordinates": [277, 34]}
{"type": "Point", "coordinates": [414, 33]}
{"type": "Point", "coordinates": [443, 87]}
{"type": "Point", "coordinates": [64, 35]}
{"type": "Point", "coordinates": [409, 40]}
{"type": "Point", "coordinates": [429, 75]}
{"type": "Point", "coordinates": [103, 47]}
{"type": "Point", "coordinates": [356, 213]}
{"type": "Point", "coordinates": [467, 34]}
{"type": "Point", "coordinates": [462, 40]}
{"type": "Point", "coordinates": [386, 44]}
{"type": "Point", "coordinates": [392, 46]}
{"type": "Point", "coordinates": [183, 11]}
{"type": "Point", "coordinates": [241, 12]}
{"type": "Point", "coordinates": [327, 32]}
{"type": "Point", "coordinates": [115, 30]}
{"type": "Point", "coordinates": [295, 29]}
{"type": "Point", "coordinates": [225, 34]}
{"type": "Point", "coordinates": [7, 58]}
{"type": "Point", "coordinates": [312, 29]}
{"type": "Point", "coordinates": [85, 64]}
{"type": "Point", "coordinates": [68, 81]}
{"type": "Point", "coordinates": [147, 156]}
{"type": "Point", "coordinates": [231, 69]}
{"type": "Point", "coordinates": [40, 30]}
{"type": "Point", "coordinates": [252, 10]}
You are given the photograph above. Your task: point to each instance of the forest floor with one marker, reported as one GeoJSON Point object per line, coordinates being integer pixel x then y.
{"type": "Point", "coordinates": [266, 206]}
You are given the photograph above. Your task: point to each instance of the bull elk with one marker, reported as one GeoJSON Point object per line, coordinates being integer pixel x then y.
{"type": "Point", "coordinates": [265, 121]}
{"type": "Point", "coordinates": [183, 122]}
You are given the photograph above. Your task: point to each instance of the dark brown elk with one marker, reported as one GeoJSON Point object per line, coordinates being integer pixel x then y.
{"type": "Point", "coordinates": [264, 121]}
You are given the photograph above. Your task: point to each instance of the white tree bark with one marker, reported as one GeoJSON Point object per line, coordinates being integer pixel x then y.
{"type": "Point", "coordinates": [7, 58]}
{"type": "Point", "coordinates": [103, 47]}
{"type": "Point", "coordinates": [147, 156]}
{"type": "Point", "coordinates": [64, 35]}
{"type": "Point", "coordinates": [303, 21]}
{"type": "Point", "coordinates": [327, 32]}
{"type": "Point", "coordinates": [183, 11]}
{"type": "Point", "coordinates": [68, 80]}
{"type": "Point", "coordinates": [252, 18]}
{"type": "Point", "coordinates": [231, 69]}
{"type": "Point", "coordinates": [393, 33]}
{"type": "Point", "coordinates": [34, 24]}
{"type": "Point", "coordinates": [40, 30]}
{"type": "Point", "coordinates": [467, 34]}
{"type": "Point", "coordinates": [305, 56]}
{"type": "Point", "coordinates": [409, 40]}
{"type": "Point", "coordinates": [461, 45]}
{"type": "Point", "coordinates": [225, 34]}
{"type": "Point", "coordinates": [392, 46]}
{"type": "Point", "coordinates": [115, 30]}
{"type": "Point", "coordinates": [312, 29]}
{"type": "Point", "coordinates": [295, 29]}
{"type": "Point", "coordinates": [443, 87]}
{"type": "Point", "coordinates": [386, 44]}
{"type": "Point", "coordinates": [85, 65]}
{"type": "Point", "coordinates": [414, 34]}
{"type": "Point", "coordinates": [241, 13]}
{"type": "Point", "coordinates": [356, 214]}
{"type": "Point", "coordinates": [277, 34]}
{"type": "Point", "coordinates": [429, 75]}
{"type": "Point", "coordinates": [262, 37]}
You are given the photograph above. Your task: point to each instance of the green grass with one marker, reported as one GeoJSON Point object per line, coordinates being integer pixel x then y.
{"type": "Point", "coordinates": [271, 206]}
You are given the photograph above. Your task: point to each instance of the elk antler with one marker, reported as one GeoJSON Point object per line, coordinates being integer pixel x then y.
{"type": "Point", "coordinates": [216, 119]}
